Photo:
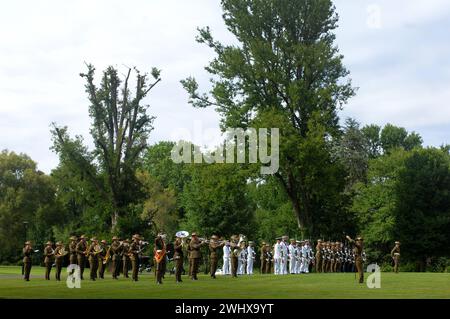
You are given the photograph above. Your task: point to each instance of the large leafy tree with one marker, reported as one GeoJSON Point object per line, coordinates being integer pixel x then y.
{"type": "Point", "coordinates": [286, 64]}
{"type": "Point", "coordinates": [28, 206]}
{"type": "Point", "coordinates": [120, 130]}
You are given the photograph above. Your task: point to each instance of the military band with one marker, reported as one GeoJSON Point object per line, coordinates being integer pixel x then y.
{"type": "Point", "coordinates": [286, 256]}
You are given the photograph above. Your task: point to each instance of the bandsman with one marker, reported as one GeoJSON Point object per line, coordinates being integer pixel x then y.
{"type": "Point", "coordinates": [27, 252]}
{"type": "Point", "coordinates": [395, 254]}
{"type": "Point", "coordinates": [195, 255]}
{"type": "Point", "coordinates": [214, 246]}
{"type": "Point", "coordinates": [269, 259]}
{"type": "Point", "coordinates": [48, 260]}
{"type": "Point", "coordinates": [125, 252]}
{"type": "Point", "coordinates": [284, 256]}
{"type": "Point", "coordinates": [73, 250]}
{"type": "Point", "coordinates": [159, 252]}
{"type": "Point", "coordinates": [116, 249]}
{"type": "Point", "coordinates": [234, 245]}
{"type": "Point", "coordinates": [178, 256]}
{"type": "Point", "coordinates": [60, 252]}
{"type": "Point", "coordinates": [101, 258]}
{"type": "Point", "coordinates": [92, 252]}
{"type": "Point", "coordinates": [134, 256]}
{"type": "Point", "coordinates": [81, 249]}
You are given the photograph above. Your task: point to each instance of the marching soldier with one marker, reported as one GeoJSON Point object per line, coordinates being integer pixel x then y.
{"type": "Point", "coordinates": [195, 255]}
{"type": "Point", "coordinates": [284, 255]}
{"type": "Point", "coordinates": [59, 257]}
{"type": "Point", "coordinates": [92, 252]}
{"type": "Point", "coordinates": [263, 258]}
{"type": "Point", "coordinates": [116, 249]}
{"type": "Point", "coordinates": [214, 246]}
{"type": "Point", "coordinates": [27, 252]}
{"type": "Point", "coordinates": [358, 256]}
{"type": "Point", "coordinates": [319, 258]}
{"type": "Point", "coordinates": [81, 254]}
{"type": "Point", "coordinates": [395, 254]}
{"type": "Point", "coordinates": [178, 256]}
{"type": "Point", "coordinates": [134, 256]}
{"type": "Point", "coordinates": [73, 250]}
{"type": "Point", "coordinates": [48, 253]}
{"type": "Point", "coordinates": [234, 245]}
{"type": "Point", "coordinates": [101, 258]}
{"type": "Point", "coordinates": [160, 257]}
{"type": "Point", "coordinates": [125, 257]}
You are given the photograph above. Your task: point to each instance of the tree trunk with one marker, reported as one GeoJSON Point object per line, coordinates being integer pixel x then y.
{"type": "Point", "coordinates": [114, 218]}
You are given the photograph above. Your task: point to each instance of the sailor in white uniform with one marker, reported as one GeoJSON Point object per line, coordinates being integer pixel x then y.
{"type": "Point", "coordinates": [250, 258]}
{"type": "Point", "coordinates": [226, 259]}
{"type": "Point", "coordinates": [292, 256]}
{"type": "Point", "coordinates": [277, 251]}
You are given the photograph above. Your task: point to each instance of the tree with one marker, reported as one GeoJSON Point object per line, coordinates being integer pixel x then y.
{"type": "Point", "coordinates": [372, 135]}
{"type": "Point", "coordinates": [423, 206]}
{"type": "Point", "coordinates": [287, 65]}
{"type": "Point", "coordinates": [216, 200]}
{"type": "Point", "coordinates": [393, 136]}
{"type": "Point", "coordinates": [28, 207]}
{"type": "Point", "coordinates": [120, 129]}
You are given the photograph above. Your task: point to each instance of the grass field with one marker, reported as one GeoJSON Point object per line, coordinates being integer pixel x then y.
{"type": "Point", "coordinates": [330, 286]}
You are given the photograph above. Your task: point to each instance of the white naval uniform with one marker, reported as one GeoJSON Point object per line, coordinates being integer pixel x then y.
{"type": "Point", "coordinates": [241, 262]}
{"type": "Point", "coordinates": [292, 260]}
{"type": "Point", "coordinates": [298, 255]}
{"type": "Point", "coordinates": [284, 258]}
{"type": "Point", "coordinates": [306, 252]}
{"type": "Point", "coordinates": [277, 259]}
{"type": "Point", "coordinates": [250, 258]}
{"type": "Point", "coordinates": [226, 260]}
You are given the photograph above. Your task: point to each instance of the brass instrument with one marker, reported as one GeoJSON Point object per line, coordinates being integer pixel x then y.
{"type": "Point", "coordinates": [62, 252]}
{"type": "Point", "coordinates": [107, 256]}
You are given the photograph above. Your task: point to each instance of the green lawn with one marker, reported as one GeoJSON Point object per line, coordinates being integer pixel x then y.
{"type": "Point", "coordinates": [339, 285]}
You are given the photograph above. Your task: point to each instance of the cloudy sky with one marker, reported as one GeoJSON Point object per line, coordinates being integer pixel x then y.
{"type": "Point", "coordinates": [397, 51]}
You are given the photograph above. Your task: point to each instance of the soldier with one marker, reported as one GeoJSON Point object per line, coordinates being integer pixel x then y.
{"type": "Point", "coordinates": [359, 246]}
{"type": "Point", "coordinates": [284, 256]}
{"type": "Point", "coordinates": [134, 256]}
{"type": "Point", "coordinates": [251, 255]}
{"type": "Point", "coordinates": [395, 254]}
{"type": "Point", "coordinates": [81, 254]}
{"type": "Point", "coordinates": [332, 257]}
{"type": "Point", "coordinates": [242, 258]}
{"type": "Point", "coordinates": [60, 252]}
{"type": "Point", "coordinates": [92, 252]}
{"type": "Point", "coordinates": [269, 259]}
{"type": "Point", "coordinates": [125, 257]}
{"type": "Point", "coordinates": [27, 252]}
{"type": "Point", "coordinates": [234, 255]}
{"type": "Point", "coordinates": [101, 258]}
{"type": "Point", "coordinates": [306, 257]}
{"type": "Point", "coordinates": [159, 252]}
{"type": "Point", "coordinates": [319, 256]}
{"type": "Point", "coordinates": [277, 256]}
{"type": "Point", "coordinates": [262, 257]}
{"type": "Point", "coordinates": [178, 256]}
{"type": "Point", "coordinates": [116, 249]}
{"type": "Point", "coordinates": [292, 256]}
{"type": "Point", "coordinates": [226, 259]}
{"type": "Point", "coordinates": [195, 255]}
{"type": "Point", "coordinates": [48, 253]}
{"type": "Point", "coordinates": [214, 246]}
{"type": "Point", "coordinates": [73, 250]}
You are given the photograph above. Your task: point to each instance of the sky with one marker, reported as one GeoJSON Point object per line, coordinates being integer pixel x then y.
{"type": "Point", "coordinates": [397, 53]}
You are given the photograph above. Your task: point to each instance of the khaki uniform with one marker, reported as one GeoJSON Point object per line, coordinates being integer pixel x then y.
{"type": "Point", "coordinates": [358, 250]}
{"type": "Point", "coordinates": [319, 258]}
{"type": "Point", "coordinates": [194, 257]}
{"type": "Point", "coordinates": [100, 258]}
{"type": "Point", "coordinates": [395, 254]}
{"type": "Point", "coordinates": [27, 251]}
{"type": "Point", "coordinates": [81, 256]}
{"type": "Point", "coordinates": [73, 253]}
{"type": "Point", "coordinates": [116, 249]}
{"type": "Point", "coordinates": [59, 258]}
{"type": "Point", "coordinates": [134, 257]}
{"type": "Point", "coordinates": [93, 261]}
{"type": "Point", "coordinates": [125, 260]}
{"type": "Point", "coordinates": [48, 261]}
{"type": "Point", "coordinates": [161, 265]}
{"type": "Point", "coordinates": [263, 260]}
{"type": "Point", "coordinates": [213, 255]}
{"type": "Point", "coordinates": [178, 256]}
{"type": "Point", "coordinates": [234, 258]}
{"type": "Point", "coordinates": [269, 257]}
